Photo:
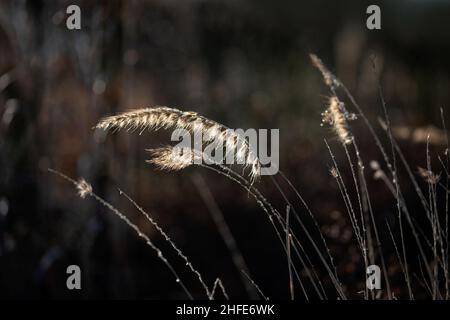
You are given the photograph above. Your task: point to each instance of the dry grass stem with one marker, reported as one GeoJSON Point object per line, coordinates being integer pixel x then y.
{"type": "Point", "coordinates": [189, 264]}
{"type": "Point", "coordinates": [85, 189]}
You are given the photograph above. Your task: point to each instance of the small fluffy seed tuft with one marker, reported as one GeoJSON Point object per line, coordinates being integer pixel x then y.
{"type": "Point", "coordinates": [429, 176]}
{"type": "Point", "coordinates": [84, 188]}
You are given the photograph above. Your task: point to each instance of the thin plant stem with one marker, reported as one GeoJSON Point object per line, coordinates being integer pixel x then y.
{"type": "Point", "coordinates": [132, 226]}
{"type": "Point", "coordinates": [224, 230]}
{"type": "Point", "coordinates": [171, 242]}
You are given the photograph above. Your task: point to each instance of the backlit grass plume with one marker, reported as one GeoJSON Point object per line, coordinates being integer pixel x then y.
{"type": "Point", "coordinates": [158, 117]}
{"type": "Point", "coordinates": [336, 115]}
{"type": "Point", "coordinates": [172, 158]}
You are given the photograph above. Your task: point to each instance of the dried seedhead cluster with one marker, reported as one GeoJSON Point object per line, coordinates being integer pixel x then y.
{"type": "Point", "coordinates": [428, 175]}
{"type": "Point", "coordinates": [171, 158]}
{"type": "Point", "coordinates": [165, 118]}
{"type": "Point", "coordinates": [336, 115]}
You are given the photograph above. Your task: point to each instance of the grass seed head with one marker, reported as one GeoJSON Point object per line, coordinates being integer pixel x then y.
{"type": "Point", "coordinates": [84, 188]}
{"type": "Point", "coordinates": [336, 116]}
{"type": "Point", "coordinates": [165, 118]}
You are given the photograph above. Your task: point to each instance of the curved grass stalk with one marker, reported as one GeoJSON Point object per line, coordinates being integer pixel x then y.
{"type": "Point", "coordinates": [85, 189]}
{"type": "Point", "coordinates": [189, 264]}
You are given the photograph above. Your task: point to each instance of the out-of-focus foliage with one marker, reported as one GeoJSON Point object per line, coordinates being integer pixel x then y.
{"type": "Point", "coordinates": [243, 63]}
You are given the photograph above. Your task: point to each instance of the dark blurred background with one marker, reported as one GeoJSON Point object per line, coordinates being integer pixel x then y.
{"type": "Point", "coordinates": [242, 63]}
